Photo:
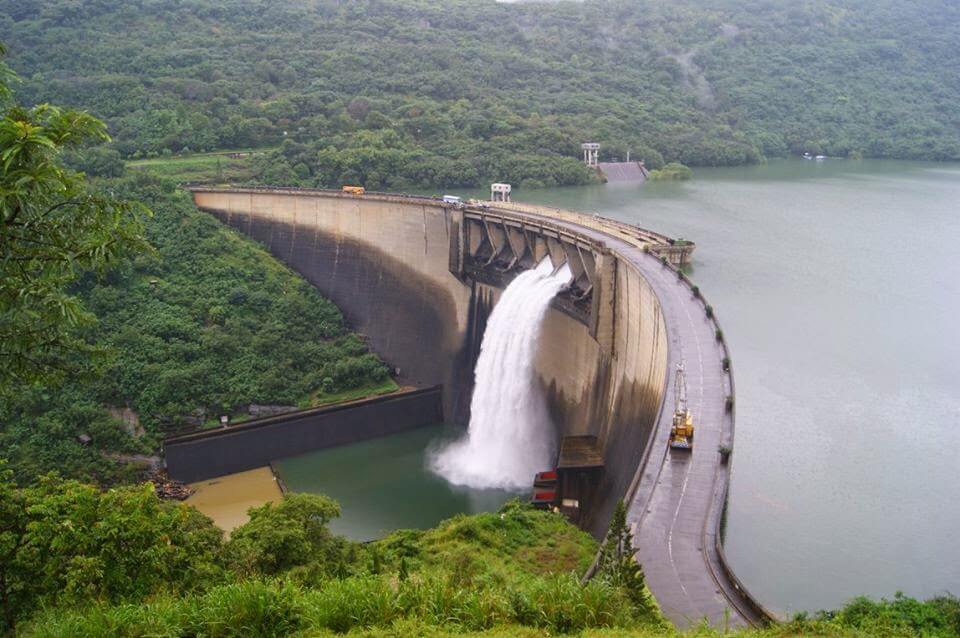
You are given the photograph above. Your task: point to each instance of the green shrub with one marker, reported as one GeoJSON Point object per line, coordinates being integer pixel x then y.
{"type": "Point", "coordinates": [359, 601]}
{"type": "Point", "coordinates": [281, 536]}
{"type": "Point", "coordinates": [901, 616]}
{"type": "Point", "coordinates": [674, 171]}
{"type": "Point", "coordinates": [66, 543]}
{"type": "Point", "coordinates": [249, 608]}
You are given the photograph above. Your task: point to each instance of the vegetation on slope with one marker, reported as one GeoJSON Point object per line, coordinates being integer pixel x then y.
{"type": "Point", "coordinates": [52, 229]}
{"type": "Point", "coordinates": [201, 324]}
{"type": "Point", "coordinates": [75, 561]}
{"type": "Point", "coordinates": [400, 93]}
{"type": "Point", "coordinates": [205, 324]}
{"type": "Point", "coordinates": [65, 545]}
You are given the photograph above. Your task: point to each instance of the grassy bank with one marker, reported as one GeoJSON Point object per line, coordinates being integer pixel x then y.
{"type": "Point", "coordinates": [326, 398]}
{"type": "Point", "coordinates": [81, 562]}
{"type": "Point", "coordinates": [205, 168]}
{"type": "Point", "coordinates": [380, 606]}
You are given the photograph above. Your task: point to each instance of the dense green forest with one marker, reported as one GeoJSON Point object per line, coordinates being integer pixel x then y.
{"type": "Point", "coordinates": [401, 93]}
{"type": "Point", "coordinates": [125, 313]}
{"type": "Point", "coordinates": [204, 324]}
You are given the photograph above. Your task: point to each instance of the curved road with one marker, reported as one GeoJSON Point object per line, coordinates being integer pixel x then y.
{"type": "Point", "coordinates": [675, 509]}
{"type": "Point", "coordinates": [676, 500]}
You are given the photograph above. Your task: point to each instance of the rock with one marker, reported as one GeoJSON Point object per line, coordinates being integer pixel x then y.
{"type": "Point", "coordinates": [129, 419]}
{"type": "Point", "coordinates": [256, 410]}
{"type": "Point", "coordinates": [167, 488]}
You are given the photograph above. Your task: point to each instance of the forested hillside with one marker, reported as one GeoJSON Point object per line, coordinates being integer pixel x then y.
{"type": "Point", "coordinates": [205, 324]}
{"type": "Point", "coordinates": [402, 93]}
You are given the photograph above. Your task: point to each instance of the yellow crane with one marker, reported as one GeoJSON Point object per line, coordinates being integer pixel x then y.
{"type": "Point", "coordinates": [681, 432]}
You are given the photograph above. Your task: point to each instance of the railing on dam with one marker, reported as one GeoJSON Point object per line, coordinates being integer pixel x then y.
{"type": "Point", "coordinates": [677, 251]}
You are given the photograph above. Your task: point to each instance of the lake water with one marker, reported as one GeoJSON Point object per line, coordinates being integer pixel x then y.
{"type": "Point", "coordinates": [384, 484]}
{"type": "Point", "coordinates": [838, 287]}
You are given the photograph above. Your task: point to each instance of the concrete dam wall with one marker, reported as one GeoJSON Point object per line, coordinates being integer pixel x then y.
{"type": "Point", "coordinates": [418, 277]}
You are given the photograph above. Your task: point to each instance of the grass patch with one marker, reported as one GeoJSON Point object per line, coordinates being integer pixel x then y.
{"type": "Point", "coordinates": [376, 389]}
{"type": "Point", "coordinates": [208, 168]}
{"type": "Point", "coordinates": [500, 546]}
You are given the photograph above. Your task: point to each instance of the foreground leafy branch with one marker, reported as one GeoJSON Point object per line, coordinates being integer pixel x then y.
{"type": "Point", "coordinates": [52, 229]}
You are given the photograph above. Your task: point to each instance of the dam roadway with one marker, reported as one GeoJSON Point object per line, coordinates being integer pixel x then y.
{"type": "Point", "coordinates": [676, 501]}
{"type": "Point", "coordinates": [417, 274]}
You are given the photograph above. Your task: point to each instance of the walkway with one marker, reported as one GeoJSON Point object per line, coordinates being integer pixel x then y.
{"type": "Point", "coordinates": [676, 501]}
{"type": "Point", "coordinates": [622, 171]}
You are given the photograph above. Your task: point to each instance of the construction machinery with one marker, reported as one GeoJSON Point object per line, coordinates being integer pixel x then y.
{"type": "Point", "coordinates": [354, 190]}
{"type": "Point", "coordinates": [681, 432]}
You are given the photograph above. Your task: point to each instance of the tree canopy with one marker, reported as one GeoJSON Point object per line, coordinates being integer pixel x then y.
{"type": "Point", "coordinates": [397, 94]}
{"type": "Point", "coordinates": [52, 229]}
{"type": "Point", "coordinates": [94, 321]}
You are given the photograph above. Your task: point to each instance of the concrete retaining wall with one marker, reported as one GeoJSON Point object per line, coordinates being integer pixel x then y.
{"type": "Point", "coordinates": [204, 455]}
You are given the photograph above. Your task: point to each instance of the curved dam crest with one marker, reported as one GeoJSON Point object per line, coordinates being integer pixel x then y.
{"type": "Point", "coordinates": [419, 276]}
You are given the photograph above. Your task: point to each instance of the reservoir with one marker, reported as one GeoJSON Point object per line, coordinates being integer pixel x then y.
{"type": "Point", "coordinates": [838, 287]}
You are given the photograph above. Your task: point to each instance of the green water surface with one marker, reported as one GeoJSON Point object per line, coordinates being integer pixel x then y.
{"type": "Point", "coordinates": [384, 484]}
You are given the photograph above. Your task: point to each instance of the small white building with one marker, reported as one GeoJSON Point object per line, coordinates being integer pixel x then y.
{"type": "Point", "coordinates": [499, 192]}
{"type": "Point", "coordinates": [591, 153]}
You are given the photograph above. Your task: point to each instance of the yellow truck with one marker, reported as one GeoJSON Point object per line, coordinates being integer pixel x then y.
{"type": "Point", "coordinates": [354, 190]}
{"type": "Point", "coordinates": [681, 431]}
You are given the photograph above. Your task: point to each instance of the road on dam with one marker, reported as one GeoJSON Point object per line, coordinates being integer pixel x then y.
{"type": "Point", "coordinates": [676, 500]}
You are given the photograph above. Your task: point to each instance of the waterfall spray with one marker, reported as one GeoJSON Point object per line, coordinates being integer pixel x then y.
{"type": "Point", "coordinates": [510, 436]}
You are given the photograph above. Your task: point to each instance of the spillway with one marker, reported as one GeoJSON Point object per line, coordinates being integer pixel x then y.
{"type": "Point", "coordinates": [510, 436]}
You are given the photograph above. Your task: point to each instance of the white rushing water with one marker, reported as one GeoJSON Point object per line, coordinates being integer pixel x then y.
{"type": "Point", "coordinates": [510, 436]}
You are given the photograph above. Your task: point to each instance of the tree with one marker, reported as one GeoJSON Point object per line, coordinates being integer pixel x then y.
{"type": "Point", "coordinates": [618, 563]}
{"type": "Point", "coordinates": [284, 535]}
{"type": "Point", "coordinates": [63, 542]}
{"type": "Point", "coordinates": [52, 229]}
{"type": "Point", "coordinates": [98, 161]}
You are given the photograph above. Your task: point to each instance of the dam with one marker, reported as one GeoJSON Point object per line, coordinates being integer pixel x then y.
{"type": "Point", "coordinates": [419, 276]}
